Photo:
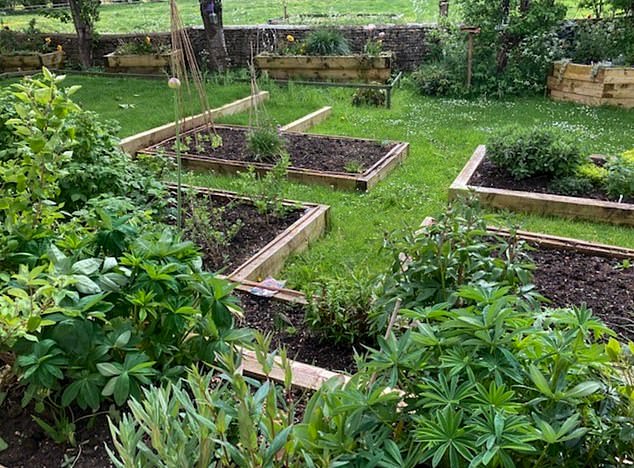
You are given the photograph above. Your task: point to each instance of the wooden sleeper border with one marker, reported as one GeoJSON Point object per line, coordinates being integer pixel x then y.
{"type": "Point", "coordinates": [338, 180]}
{"type": "Point", "coordinates": [269, 260]}
{"type": "Point", "coordinates": [540, 203]}
{"type": "Point", "coordinates": [556, 242]}
{"type": "Point", "coordinates": [135, 143]}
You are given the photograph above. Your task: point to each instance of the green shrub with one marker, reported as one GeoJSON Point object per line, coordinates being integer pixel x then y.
{"type": "Point", "coordinates": [266, 143]}
{"type": "Point", "coordinates": [528, 152]}
{"type": "Point", "coordinates": [326, 42]}
{"type": "Point", "coordinates": [218, 419]}
{"type": "Point", "coordinates": [572, 185]}
{"type": "Point", "coordinates": [431, 265]}
{"type": "Point", "coordinates": [595, 174]}
{"type": "Point", "coordinates": [369, 97]}
{"type": "Point", "coordinates": [338, 307]}
{"type": "Point", "coordinates": [97, 166]}
{"type": "Point", "coordinates": [620, 178]}
{"type": "Point", "coordinates": [435, 79]}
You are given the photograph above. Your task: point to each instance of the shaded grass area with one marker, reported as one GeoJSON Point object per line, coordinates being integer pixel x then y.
{"type": "Point", "coordinates": [148, 17]}
{"type": "Point", "coordinates": [442, 132]}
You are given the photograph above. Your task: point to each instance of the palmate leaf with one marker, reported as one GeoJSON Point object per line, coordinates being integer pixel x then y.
{"type": "Point", "coordinates": [445, 438]}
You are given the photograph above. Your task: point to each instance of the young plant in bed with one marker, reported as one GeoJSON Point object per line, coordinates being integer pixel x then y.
{"type": "Point", "coordinates": [207, 224]}
{"type": "Point", "coordinates": [266, 190]}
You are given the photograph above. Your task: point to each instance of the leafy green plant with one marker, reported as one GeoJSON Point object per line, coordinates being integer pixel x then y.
{"type": "Point", "coordinates": [221, 418]}
{"type": "Point", "coordinates": [326, 42]}
{"type": "Point", "coordinates": [265, 143]}
{"type": "Point", "coordinates": [572, 185]}
{"type": "Point", "coordinates": [369, 97]}
{"type": "Point", "coordinates": [620, 175]}
{"type": "Point", "coordinates": [435, 79]}
{"type": "Point", "coordinates": [354, 167]}
{"type": "Point", "coordinates": [527, 152]}
{"type": "Point", "coordinates": [267, 191]}
{"type": "Point", "coordinates": [338, 307]}
{"type": "Point", "coordinates": [141, 47]}
{"type": "Point", "coordinates": [207, 224]}
{"type": "Point", "coordinates": [431, 265]}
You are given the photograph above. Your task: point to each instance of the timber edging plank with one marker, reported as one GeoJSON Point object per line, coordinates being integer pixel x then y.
{"type": "Point", "coordinates": [269, 260]}
{"type": "Point", "coordinates": [337, 180]}
{"type": "Point", "coordinates": [135, 143]}
{"type": "Point", "coordinates": [308, 121]}
{"type": "Point", "coordinates": [539, 203]}
{"type": "Point", "coordinates": [585, 84]}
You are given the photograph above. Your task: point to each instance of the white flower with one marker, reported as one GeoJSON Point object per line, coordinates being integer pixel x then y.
{"type": "Point", "coordinates": [371, 27]}
{"type": "Point", "coordinates": [174, 83]}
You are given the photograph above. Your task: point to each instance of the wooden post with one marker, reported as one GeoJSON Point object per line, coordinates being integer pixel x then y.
{"type": "Point", "coordinates": [471, 31]}
{"type": "Point", "coordinates": [443, 8]}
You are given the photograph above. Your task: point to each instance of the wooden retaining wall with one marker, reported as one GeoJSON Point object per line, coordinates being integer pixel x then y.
{"type": "Point", "coordinates": [327, 68]}
{"type": "Point", "coordinates": [585, 84]}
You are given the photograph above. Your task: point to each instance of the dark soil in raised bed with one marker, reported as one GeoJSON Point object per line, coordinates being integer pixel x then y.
{"type": "Point", "coordinates": [573, 278]}
{"type": "Point", "coordinates": [321, 153]}
{"type": "Point", "coordinates": [286, 323]}
{"type": "Point", "coordinates": [256, 230]}
{"type": "Point", "coordinates": [30, 447]}
{"type": "Point", "coordinates": [492, 176]}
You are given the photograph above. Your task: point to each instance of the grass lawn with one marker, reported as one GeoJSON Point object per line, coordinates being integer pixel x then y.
{"type": "Point", "coordinates": [442, 132]}
{"type": "Point", "coordinates": [148, 17]}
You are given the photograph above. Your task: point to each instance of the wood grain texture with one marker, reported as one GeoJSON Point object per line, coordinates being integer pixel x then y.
{"type": "Point", "coordinates": [308, 121]}
{"type": "Point", "coordinates": [585, 85]}
{"type": "Point", "coordinates": [304, 375]}
{"type": "Point", "coordinates": [336, 68]}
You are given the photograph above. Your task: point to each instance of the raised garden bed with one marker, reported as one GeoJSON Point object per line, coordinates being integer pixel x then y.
{"type": "Point", "coordinates": [333, 68]}
{"type": "Point", "coordinates": [142, 64]}
{"type": "Point", "coordinates": [317, 159]}
{"type": "Point", "coordinates": [530, 199]}
{"type": "Point", "coordinates": [592, 85]}
{"type": "Point", "coordinates": [573, 272]}
{"type": "Point", "coordinates": [31, 61]}
{"type": "Point", "coordinates": [261, 246]}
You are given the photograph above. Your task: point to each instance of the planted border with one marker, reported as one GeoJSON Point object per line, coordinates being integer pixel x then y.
{"type": "Point", "coordinates": [339, 180]}
{"type": "Point", "coordinates": [269, 260]}
{"type": "Point", "coordinates": [540, 203]}
{"type": "Point", "coordinates": [305, 376]}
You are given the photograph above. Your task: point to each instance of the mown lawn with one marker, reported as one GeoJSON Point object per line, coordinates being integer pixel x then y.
{"type": "Point", "coordinates": [149, 17]}
{"type": "Point", "coordinates": [442, 132]}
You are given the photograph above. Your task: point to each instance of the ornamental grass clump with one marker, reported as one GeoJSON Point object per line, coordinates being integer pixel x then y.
{"type": "Point", "coordinates": [529, 152]}
{"type": "Point", "coordinates": [326, 42]}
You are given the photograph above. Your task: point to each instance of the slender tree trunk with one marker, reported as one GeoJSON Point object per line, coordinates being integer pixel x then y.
{"type": "Point", "coordinates": [84, 33]}
{"type": "Point", "coordinates": [211, 12]}
{"type": "Point", "coordinates": [443, 8]}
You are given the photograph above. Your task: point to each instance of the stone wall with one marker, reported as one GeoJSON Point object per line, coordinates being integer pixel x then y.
{"type": "Point", "coordinates": [408, 42]}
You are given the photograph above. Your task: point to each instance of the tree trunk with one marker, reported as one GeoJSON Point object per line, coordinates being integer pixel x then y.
{"type": "Point", "coordinates": [443, 8]}
{"type": "Point", "coordinates": [84, 33]}
{"type": "Point", "coordinates": [211, 12]}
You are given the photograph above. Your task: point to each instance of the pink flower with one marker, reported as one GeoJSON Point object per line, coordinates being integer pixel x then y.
{"type": "Point", "coordinates": [371, 27]}
{"type": "Point", "coordinates": [381, 35]}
